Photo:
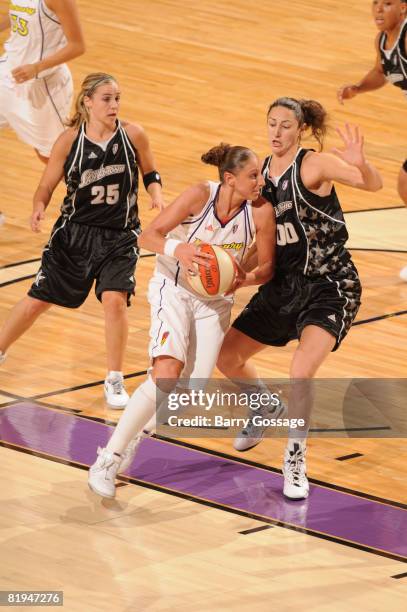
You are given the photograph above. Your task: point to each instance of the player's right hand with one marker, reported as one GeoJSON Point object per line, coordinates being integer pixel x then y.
{"type": "Point", "coordinates": [37, 216]}
{"type": "Point", "coordinates": [346, 92]}
{"type": "Point", "coordinates": [189, 255]}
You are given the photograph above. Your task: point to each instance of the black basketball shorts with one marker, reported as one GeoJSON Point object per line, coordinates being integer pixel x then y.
{"type": "Point", "coordinates": [281, 308]}
{"type": "Point", "coordinates": [77, 255]}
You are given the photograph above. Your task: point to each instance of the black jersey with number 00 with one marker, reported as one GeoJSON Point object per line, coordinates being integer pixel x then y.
{"type": "Point", "coordinates": [102, 185]}
{"type": "Point", "coordinates": [311, 230]}
{"type": "Point", "coordinates": [394, 60]}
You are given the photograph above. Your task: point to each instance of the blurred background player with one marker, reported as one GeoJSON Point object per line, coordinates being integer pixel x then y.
{"type": "Point", "coordinates": [95, 238]}
{"type": "Point", "coordinates": [36, 87]}
{"type": "Point", "coordinates": [187, 329]}
{"type": "Point", "coordinates": [315, 292]}
{"type": "Point", "coordinates": [390, 66]}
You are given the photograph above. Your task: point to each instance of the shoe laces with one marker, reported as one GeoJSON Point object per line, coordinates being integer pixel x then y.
{"type": "Point", "coordinates": [296, 466]}
{"type": "Point", "coordinates": [118, 385]}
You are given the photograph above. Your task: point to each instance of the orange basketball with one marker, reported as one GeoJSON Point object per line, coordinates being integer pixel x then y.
{"type": "Point", "coordinates": [218, 277]}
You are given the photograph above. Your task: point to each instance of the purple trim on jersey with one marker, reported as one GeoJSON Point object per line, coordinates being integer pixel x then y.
{"type": "Point", "coordinates": [205, 211]}
{"type": "Point", "coordinates": [245, 218]}
{"type": "Point", "coordinates": [200, 223]}
{"type": "Point", "coordinates": [159, 310]}
{"type": "Point", "coordinates": [46, 14]}
{"type": "Point", "coordinates": [246, 212]}
{"type": "Point", "coordinates": [53, 103]}
{"type": "Point", "coordinates": [223, 225]}
{"type": "Point", "coordinates": [42, 36]}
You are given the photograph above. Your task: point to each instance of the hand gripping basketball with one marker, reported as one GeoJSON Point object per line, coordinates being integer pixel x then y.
{"type": "Point", "coordinates": [217, 276]}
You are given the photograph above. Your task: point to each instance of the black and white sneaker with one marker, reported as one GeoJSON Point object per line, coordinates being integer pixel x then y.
{"type": "Point", "coordinates": [294, 470]}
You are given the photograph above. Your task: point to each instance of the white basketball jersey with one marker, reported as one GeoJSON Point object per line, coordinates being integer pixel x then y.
{"type": "Point", "coordinates": [35, 34]}
{"type": "Point", "coordinates": [236, 235]}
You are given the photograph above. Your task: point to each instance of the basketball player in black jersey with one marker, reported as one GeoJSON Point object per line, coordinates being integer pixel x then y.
{"type": "Point", "coordinates": [95, 238]}
{"type": "Point", "coordinates": [391, 66]}
{"type": "Point", "coordinates": [315, 292]}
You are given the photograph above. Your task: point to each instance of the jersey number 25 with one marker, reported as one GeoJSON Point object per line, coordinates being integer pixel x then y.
{"type": "Point", "coordinates": [105, 194]}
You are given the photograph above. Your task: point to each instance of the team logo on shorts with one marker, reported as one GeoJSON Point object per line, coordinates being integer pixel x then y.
{"type": "Point", "coordinates": [164, 337]}
{"type": "Point", "coordinates": [40, 276]}
{"type": "Point", "coordinates": [115, 148]}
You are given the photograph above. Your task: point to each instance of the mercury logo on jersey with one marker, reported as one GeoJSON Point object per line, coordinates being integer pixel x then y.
{"type": "Point", "coordinates": [22, 9]}
{"type": "Point", "coordinates": [233, 246]}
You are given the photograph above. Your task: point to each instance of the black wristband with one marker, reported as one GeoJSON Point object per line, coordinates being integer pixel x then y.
{"type": "Point", "coordinates": [151, 177]}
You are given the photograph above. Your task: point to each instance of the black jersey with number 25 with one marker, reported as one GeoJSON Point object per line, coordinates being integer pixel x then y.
{"type": "Point", "coordinates": [102, 182]}
{"type": "Point", "coordinates": [311, 230]}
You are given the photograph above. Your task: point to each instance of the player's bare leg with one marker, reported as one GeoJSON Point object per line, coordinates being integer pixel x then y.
{"type": "Point", "coordinates": [21, 318]}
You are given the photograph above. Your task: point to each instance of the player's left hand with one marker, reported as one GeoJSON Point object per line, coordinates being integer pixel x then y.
{"type": "Point", "coordinates": [240, 277]}
{"type": "Point", "coordinates": [37, 216]}
{"type": "Point", "coordinates": [21, 74]}
{"type": "Point", "coordinates": [157, 203]}
{"type": "Point", "coordinates": [352, 153]}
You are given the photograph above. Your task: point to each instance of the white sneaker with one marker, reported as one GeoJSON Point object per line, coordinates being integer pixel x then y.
{"type": "Point", "coordinates": [102, 474]}
{"type": "Point", "coordinates": [2, 357]}
{"type": "Point", "coordinates": [115, 393]}
{"type": "Point", "coordinates": [294, 470]}
{"type": "Point", "coordinates": [253, 434]}
{"type": "Point", "coordinates": [403, 273]}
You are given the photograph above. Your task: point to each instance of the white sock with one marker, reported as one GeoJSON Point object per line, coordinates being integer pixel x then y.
{"type": "Point", "coordinates": [114, 375]}
{"type": "Point", "coordinates": [139, 412]}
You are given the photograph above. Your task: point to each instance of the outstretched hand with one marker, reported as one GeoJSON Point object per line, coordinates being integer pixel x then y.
{"type": "Point", "coordinates": [353, 140]}
{"type": "Point", "coordinates": [346, 92]}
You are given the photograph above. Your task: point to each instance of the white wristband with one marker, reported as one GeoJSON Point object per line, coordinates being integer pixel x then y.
{"type": "Point", "coordinates": [170, 246]}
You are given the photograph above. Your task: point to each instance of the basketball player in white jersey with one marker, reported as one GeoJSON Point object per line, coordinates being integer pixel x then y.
{"type": "Point", "coordinates": [390, 67]}
{"type": "Point", "coordinates": [36, 87]}
{"type": "Point", "coordinates": [187, 329]}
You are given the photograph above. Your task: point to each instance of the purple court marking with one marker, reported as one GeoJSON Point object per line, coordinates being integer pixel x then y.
{"type": "Point", "coordinates": [222, 481]}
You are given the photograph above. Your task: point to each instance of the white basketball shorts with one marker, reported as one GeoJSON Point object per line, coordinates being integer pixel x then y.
{"type": "Point", "coordinates": [186, 327]}
{"type": "Point", "coordinates": [36, 110]}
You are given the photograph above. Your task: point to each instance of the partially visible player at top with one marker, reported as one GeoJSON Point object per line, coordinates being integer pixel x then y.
{"type": "Point", "coordinates": [187, 329]}
{"type": "Point", "coordinates": [391, 66]}
{"type": "Point", "coordinates": [36, 87]}
{"type": "Point", "coordinates": [315, 292]}
{"type": "Point", "coordinates": [95, 237]}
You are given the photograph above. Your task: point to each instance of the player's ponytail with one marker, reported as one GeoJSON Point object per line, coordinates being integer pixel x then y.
{"type": "Point", "coordinates": [227, 158]}
{"type": "Point", "coordinates": [309, 114]}
{"type": "Point", "coordinates": [315, 118]}
{"type": "Point", "coordinates": [89, 86]}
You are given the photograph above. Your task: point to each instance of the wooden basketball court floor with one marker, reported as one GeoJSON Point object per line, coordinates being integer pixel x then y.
{"type": "Point", "coordinates": [195, 524]}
